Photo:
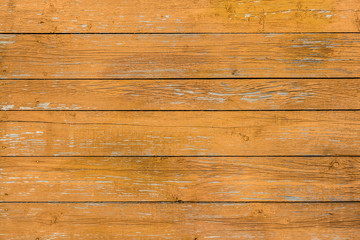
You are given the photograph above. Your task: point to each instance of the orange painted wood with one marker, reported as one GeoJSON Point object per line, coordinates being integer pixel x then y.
{"type": "Point", "coordinates": [179, 178]}
{"type": "Point", "coordinates": [180, 56]}
{"type": "Point", "coordinates": [132, 133]}
{"type": "Point", "coordinates": [180, 221]}
{"type": "Point", "coordinates": [173, 94]}
{"type": "Point", "coordinates": [180, 16]}
{"type": "Point", "coordinates": [180, 174]}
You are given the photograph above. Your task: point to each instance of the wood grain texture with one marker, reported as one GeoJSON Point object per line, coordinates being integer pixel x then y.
{"type": "Point", "coordinates": [95, 133]}
{"type": "Point", "coordinates": [180, 56]}
{"type": "Point", "coordinates": [179, 178]}
{"type": "Point", "coordinates": [180, 221]}
{"type": "Point", "coordinates": [255, 173]}
{"type": "Point", "coordinates": [139, 16]}
{"type": "Point", "coordinates": [209, 94]}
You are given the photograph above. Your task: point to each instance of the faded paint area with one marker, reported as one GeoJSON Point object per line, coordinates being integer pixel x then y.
{"type": "Point", "coordinates": [282, 16]}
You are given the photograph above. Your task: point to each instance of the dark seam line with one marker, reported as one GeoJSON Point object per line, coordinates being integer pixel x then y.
{"type": "Point", "coordinates": [171, 33]}
{"type": "Point", "coordinates": [209, 110]}
{"type": "Point", "coordinates": [117, 124]}
{"type": "Point", "coordinates": [187, 78]}
{"type": "Point", "coordinates": [179, 156]}
{"type": "Point", "coordinates": [179, 202]}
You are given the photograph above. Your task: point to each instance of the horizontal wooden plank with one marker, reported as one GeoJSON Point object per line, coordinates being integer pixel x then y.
{"type": "Point", "coordinates": [222, 94]}
{"type": "Point", "coordinates": [94, 133]}
{"type": "Point", "coordinates": [180, 221]}
{"type": "Point", "coordinates": [179, 178]}
{"type": "Point", "coordinates": [180, 56]}
{"type": "Point", "coordinates": [180, 16]}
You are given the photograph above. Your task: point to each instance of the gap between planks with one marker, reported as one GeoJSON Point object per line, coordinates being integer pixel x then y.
{"type": "Point", "coordinates": [179, 78]}
{"type": "Point", "coordinates": [209, 110]}
{"type": "Point", "coordinates": [186, 156]}
{"type": "Point", "coordinates": [177, 202]}
{"type": "Point", "coordinates": [174, 33]}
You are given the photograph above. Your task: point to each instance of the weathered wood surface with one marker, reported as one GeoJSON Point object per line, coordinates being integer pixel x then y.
{"type": "Point", "coordinates": [180, 178]}
{"type": "Point", "coordinates": [94, 133]}
{"type": "Point", "coordinates": [234, 174]}
{"type": "Point", "coordinates": [192, 94]}
{"type": "Point", "coordinates": [139, 16]}
{"type": "Point", "coordinates": [268, 221]}
{"type": "Point", "coordinates": [179, 56]}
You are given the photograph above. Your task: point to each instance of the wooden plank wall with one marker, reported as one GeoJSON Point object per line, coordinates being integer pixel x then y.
{"type": "Point", "coordinates": [193, 119]}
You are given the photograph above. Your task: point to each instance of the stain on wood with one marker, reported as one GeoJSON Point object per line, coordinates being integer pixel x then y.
{"type": "Point", "coordinates": [175, 94]}
{"type": "Point", "coordinates": [215, 16]}
{"type": "Point", "coordinates": [180, 56]}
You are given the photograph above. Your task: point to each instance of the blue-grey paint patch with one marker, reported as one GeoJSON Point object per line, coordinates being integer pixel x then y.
{"type": "Point", "coordinates": [292, 198]}
{"type": "Point", "coordinates": [7, 42]}
{"type": "Point", "coordinates": [7, 107]}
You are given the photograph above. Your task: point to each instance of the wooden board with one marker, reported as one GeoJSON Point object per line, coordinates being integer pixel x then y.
{"type": "Point", "coordinates": [180, 56]}
{"type": "Point", "coordinates": [180, 221]}
{"type": "Point", "coordinates": [179, 178]}
{"type": "Point", "coordinates": [179, 16]}
{"type": "Point", "coordinates": [132, 133]}
{"type": "Point", "coordinates": [209, 94]}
